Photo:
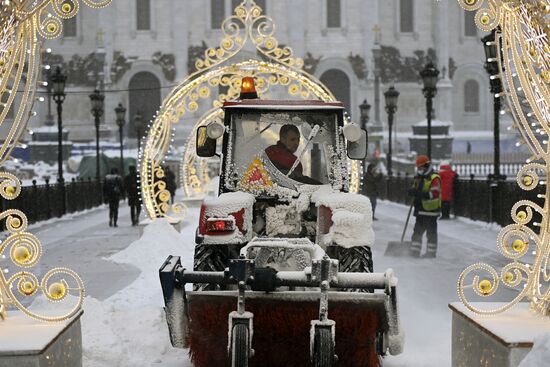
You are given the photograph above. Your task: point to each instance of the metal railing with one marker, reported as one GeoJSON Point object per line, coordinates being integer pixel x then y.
{"type": "Point", "coordinates": [42, 202]}
{"type": "Point", "coordinates": [479, 199]}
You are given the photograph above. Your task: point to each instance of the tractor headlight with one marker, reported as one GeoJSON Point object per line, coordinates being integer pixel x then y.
{"type": "Point", "coordinates": [214, 130]}
{"type": "Point", "coordinates": [352, 132]}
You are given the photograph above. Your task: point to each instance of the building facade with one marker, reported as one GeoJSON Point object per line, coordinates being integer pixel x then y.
{"type": "Point", "coordinates": [139, 50]}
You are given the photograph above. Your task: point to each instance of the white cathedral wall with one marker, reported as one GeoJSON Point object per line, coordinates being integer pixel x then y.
{"type": "Point", "coordinates": [178, 25]}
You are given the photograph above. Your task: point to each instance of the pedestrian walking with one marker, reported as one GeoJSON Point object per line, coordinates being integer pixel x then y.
{"type": "Point", "coordinates": [426, 191]}
{"type": "Point", "coordinates": [448, 177]}
{"type": "Point", "coordinates": [131, 185]}
{"type": "Point", "coordinates": [170, 179]}
{"type": "Point", "coordinates": [373, 179]}
{"type": "Point", "coordinates": [112, 192]}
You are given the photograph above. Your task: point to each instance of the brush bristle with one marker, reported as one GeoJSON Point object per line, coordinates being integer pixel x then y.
{"type": "Point", "coordinates": [281, 331]}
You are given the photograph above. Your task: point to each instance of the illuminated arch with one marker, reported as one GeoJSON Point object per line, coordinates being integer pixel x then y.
{"type": "Point", "coordinates": [282, 70]}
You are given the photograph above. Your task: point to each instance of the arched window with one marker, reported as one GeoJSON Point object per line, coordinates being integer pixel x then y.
{"type": "Point", "coordinates": [338, 83]}
{"type": "Point", "coordinates": [217, 13]}
{"type": "Point", "coordinates": [471, 96]}
{"type": "Point", "coordinates": [470, 28]}
{"type": "Point", "coordinates": [406, 16]}
{"type": "Point", "coordinates": [334, 14]}
{"type": "Point", "coordinates": [143, 15]}
{"type": "Point", "coordinates": [144, 98]}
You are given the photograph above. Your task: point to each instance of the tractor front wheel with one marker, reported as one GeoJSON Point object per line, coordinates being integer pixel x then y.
{"type": "Point", "coordinates": [323, 348]}
{"type": "Point", "coordinates": [239, 346]}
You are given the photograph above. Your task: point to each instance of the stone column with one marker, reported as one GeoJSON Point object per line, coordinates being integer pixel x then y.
{"type": "Point", "coordinates": [296, 11]}
{"type": "Point", "coordinates": [441, 36]}
{"type": "Point", "coordinates": [180, 36]}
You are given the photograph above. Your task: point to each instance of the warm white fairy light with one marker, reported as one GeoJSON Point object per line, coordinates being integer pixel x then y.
{"type": "Point", "coordinates": [23, 28]}
{"type": "Point", "coordinates": [525, 71]}
{"type": "Point", "coordinates": [281, 69]}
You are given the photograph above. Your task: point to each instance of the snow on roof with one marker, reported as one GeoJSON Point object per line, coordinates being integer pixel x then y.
{"type": "Point", "coordinates": [284, 104]}
{"type": "Point", "coordinates": [434, 123]}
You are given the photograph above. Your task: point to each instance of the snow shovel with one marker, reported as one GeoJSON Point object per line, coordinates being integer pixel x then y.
{"type": "Point", "coordinates": [400, 248]}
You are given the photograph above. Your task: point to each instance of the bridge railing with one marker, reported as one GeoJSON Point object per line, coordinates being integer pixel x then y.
{"type": "Point", "coordinates": [42, 202]}
{"type": "Point", "coordinates": [477, 198]}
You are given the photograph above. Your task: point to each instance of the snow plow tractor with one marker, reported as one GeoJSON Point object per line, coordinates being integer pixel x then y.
{"type": "Point", "coordinates": [283, 272]}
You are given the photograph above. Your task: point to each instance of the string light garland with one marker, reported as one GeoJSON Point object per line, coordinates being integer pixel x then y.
{"type": "Point", "coordinates": [24, 23]}
{"type": "Point", "coordinates": [522, 38]}
{"type": "Point", "coordinates": [282, 69]}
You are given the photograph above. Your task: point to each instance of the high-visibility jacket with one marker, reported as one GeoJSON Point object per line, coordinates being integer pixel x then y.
{"type": "Point", "coordinates": [428, 196]}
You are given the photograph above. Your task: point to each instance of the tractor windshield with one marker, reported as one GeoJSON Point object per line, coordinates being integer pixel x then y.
{"type": "Point", "coordinates": [282, 148]}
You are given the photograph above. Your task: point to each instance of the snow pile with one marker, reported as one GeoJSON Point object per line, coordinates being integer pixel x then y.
{"type": "Point", "coordinates": [282, 219]}
{"type": "Point", "coordinates": [229, 202]}
{"type": "Point", "coordinates": [351, 217]}
{"type": "Point", "coordinates": [539, 354]}
{"type": "Point", "coordinates": [133, 319]}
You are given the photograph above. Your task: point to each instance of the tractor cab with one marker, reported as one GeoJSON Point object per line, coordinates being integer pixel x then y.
{"type": "Point", "coordinates": [272, 148]}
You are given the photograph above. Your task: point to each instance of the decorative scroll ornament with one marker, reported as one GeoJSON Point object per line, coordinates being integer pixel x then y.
{"type": "Point", "coordinates": [215, 72]}
{"type": "Point", "coordinates": [24, 250]}
{"type": "Point", "coordinates": [525, 72]}
{"type": "Point", "coordinates": [23, 24]}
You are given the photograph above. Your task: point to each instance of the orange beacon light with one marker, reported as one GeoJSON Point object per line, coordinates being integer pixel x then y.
{"type": "Point", "coordinates": [248, 88]}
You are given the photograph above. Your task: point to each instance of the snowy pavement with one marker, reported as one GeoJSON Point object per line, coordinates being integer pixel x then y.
{"type": "Point", "coordinates": [123, 323]}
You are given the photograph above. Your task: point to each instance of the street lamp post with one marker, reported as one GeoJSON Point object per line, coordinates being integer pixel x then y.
{"type": "Point", "coordinates": [364, 110]}
{"type": "Point", "coordinates": [391, 96]}
{"type": "Point", "coordinates": [49, 87]}
{"type": "Point", "coordinates": [120, 112]}
{"type": "Point", "coordinates": [138, 124]}
{"type": "Point", "coordinates": [377, 56]}
{"type": "Point", "coordinates": [97, 100]}
{"type": "Point", "coordinates": [491, 66]}
{"type": "Point", "coordinates": [58, 80]}
{"type": "Point", "coordinates": [429, 76]}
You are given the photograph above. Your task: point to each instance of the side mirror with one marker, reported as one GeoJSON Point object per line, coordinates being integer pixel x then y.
{"type": "Point", "coordinates": [206, 146]}
{"type": "Point", "coordinates": [358, 149]}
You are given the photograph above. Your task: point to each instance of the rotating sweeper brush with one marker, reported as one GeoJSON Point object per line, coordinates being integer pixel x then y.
{"type": "Point", "coordinates": [259, 324]}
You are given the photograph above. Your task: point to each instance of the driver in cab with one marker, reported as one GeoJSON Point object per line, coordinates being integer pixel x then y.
{"type": "Point", "coordinates": [282, 154]}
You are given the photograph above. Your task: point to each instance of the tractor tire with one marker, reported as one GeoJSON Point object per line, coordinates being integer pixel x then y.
{"type": "Point", "coordinates": [239, 346]}
{"type": "Point", "coordinates": [353, 260]}
{"type": "Point", "coordinates": [323, 352]}
{"type": "Point", "coordinates": [210, 258]}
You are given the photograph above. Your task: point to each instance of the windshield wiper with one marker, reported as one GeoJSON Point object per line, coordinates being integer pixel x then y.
{"type": "Point", "coordinates": [312, 135]}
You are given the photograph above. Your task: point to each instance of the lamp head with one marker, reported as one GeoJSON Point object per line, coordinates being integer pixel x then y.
{"type": "Point", "coordinates": [120, 112]}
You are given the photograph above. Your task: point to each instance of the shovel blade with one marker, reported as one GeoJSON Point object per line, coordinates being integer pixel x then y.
{"type": "Point", "coordinates": [398, 249]}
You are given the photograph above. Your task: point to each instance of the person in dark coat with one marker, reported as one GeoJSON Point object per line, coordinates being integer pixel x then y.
{"type": "Point", "coordinates": [131, 185]}
{"type": "Point", "coordinates": [448, 177]}
{"type": "Point", "coordinates": [373, 178]}
{"type": "Point", "coordinates": [170, 179]}
{"type": "Point", "coordinates": [426, 191]}
{"type": "Point", "coordinates": [112, 192]}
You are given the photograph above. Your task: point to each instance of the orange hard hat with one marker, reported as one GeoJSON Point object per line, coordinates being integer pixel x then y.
{"type": "Point", "coordinates": [421, 160]}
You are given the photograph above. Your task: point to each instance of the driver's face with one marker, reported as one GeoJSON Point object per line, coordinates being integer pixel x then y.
{"type": "Point", "coordinates": [291, 141]}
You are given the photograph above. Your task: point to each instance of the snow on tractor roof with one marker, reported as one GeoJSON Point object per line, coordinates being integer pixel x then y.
{"type": "Point", "coordinates": [283, 104]}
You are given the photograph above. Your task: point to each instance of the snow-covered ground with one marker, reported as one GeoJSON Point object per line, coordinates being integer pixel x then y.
{"type": "Point", "coordinates": [123, 322]}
